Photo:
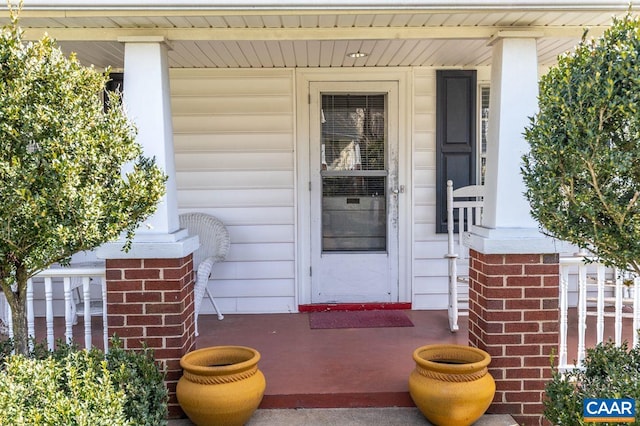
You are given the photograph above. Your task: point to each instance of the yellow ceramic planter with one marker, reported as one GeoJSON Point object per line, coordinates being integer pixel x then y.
{"type": "Point", "coordinates": [451, 384]}
{"type": "Point", "coordinates": [220, 385]}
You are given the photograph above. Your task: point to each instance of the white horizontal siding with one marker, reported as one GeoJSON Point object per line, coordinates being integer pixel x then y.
{"type": "Point", "coordinates": [249, 217]}
{"type": "Point", "coordinates": [235, 288]}
{"type": "Point", "coordinates": [234, 157]}
{"type": "Point", "coordinates": [268, 233]}
{"type": "Point", "coordinates": [432, 285]}
{"type": "Point", "coordinates": [238, 141]}
{"type": "Point", "coordinates": [431, 249]}
{"type": "Point", "coordinates": [222, 104]}
{"type": "Point", "coordinates": [251, 305]}
{"type": "Point", "coordinates": [261, 252]}
{"type": "Point", "coordinates": [429, 265]}
{"type": "Point", "coordinates": [233, 83]}
{"type": "Point", "coordinates": [423, 301]}
{"type": "Point", "coordinates": [253, 270]}
{"type": "Point", "coordinates": [233, 179]}
{"type": "Point", "coordinates": [268, 122]}
{"type": "Point", "coordinates": [234, 160]}
{"type": "Point", "coordinates": [238, 197]}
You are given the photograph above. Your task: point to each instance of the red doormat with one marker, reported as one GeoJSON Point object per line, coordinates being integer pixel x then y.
{"type": "Point", "coordinates": [358, 319]}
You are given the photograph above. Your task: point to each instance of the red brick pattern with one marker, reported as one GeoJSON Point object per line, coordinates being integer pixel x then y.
{"type": "Point", "coordinates": [151, 301]}
{"type": "Point", "coordinates": [513, 315]}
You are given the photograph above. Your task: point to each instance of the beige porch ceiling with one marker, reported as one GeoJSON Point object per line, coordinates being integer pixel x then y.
{"type": "Point", "coordinates": [263, 39]}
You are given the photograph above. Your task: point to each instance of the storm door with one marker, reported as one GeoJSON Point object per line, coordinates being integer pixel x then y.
{"type": "Point", "coordinates": [354, 192]}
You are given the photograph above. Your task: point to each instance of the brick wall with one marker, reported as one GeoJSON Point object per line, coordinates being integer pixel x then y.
{"type": "Point", "coordinates": [513, 315]}
{"type": "Point", "coordinates": [151, 301]}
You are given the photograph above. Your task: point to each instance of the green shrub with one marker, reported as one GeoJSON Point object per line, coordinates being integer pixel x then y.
{"type": "Point", "coordinates": [608, 371]}
{"type": "Point", "coordinates": [138, 375]}
{"type": "Point", "coordinates": [70, 386]}
{"type": "Point", "coordinates": [582, 173]}
{"type": "Point", "coordinates": [72, 173]}
{"type": "Point", "coordinates": [50, 392]}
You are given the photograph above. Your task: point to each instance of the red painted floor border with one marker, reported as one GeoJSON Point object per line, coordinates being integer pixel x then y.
{"type": "Point", "coordinates": [322, 307]}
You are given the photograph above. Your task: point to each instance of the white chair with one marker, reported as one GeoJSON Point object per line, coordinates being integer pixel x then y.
{"type": "Point", "coordinates": [214, 246]}
{"type": "Point", "coordinates": [468, 201]}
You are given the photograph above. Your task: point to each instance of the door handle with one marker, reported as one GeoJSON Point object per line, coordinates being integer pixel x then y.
{"type": "Point", "coordinates": [399, 190]}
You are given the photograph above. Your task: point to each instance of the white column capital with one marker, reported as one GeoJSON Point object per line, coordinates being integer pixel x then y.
{"type": "Point", "coordinates": [142, 39]}
{"type": "Point", "coordinates": [172, 246]}
{"type": "Point", "coordinates": [511, 34]}
{"type": "Point", "coordinates": [513, 241]}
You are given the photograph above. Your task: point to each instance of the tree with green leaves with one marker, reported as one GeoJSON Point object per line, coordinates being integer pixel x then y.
{"type": "Point", "coordinates": [72, 175]}
{"type": "Point", "coordinates": [583, 170]}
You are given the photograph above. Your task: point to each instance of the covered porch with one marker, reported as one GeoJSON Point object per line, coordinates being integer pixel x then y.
{"type": "Point", "coordinates": [227, 97]}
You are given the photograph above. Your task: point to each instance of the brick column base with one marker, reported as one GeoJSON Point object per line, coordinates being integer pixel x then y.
{"type": "Point", "coordinates": [151, 301]}
{"type": "Point", "coordinates": [513, 315]}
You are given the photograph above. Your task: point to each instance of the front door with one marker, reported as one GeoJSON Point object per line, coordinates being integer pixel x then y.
{"type": "Point", "coordinates": [354, 192]}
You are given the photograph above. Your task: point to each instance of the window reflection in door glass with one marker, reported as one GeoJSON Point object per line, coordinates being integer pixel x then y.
{"type": "Point", "coordinates": [354, 203]}
{"type": "Point", "coordinates": [353, 133]}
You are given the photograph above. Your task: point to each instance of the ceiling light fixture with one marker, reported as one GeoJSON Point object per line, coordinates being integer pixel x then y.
{"type": "Point", "coordinates": [357, 54]}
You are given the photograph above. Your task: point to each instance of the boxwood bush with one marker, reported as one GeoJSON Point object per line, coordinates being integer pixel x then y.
{"type": "Point", "coordinates": [70, 386]}
{"type": "Point", "coordinates": [609, 371]}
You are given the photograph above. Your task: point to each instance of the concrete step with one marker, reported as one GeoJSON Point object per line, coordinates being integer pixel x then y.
{"type": "Point", "coordinates": [390, 416]}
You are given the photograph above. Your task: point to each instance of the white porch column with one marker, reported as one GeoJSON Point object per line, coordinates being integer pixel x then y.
{"type": "Point", "coordinates": [514, 269]}
{"type": "Point", "coordinates": [507, 226]}
{"type": "Point", "coordinates": [514, 91]}
{"type": "Point", "coordinates": [148, 104]}
{"type": "Point", "coordinates": [150, 287]}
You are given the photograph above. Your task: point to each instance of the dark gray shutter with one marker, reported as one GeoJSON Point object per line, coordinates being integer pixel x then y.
{"type": "Point", "coordinates": [455, 135]}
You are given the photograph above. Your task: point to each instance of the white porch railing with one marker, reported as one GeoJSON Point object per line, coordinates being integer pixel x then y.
{"type": "Point", "coordinates": [77, 282]}
{"type": "Point", "coordinates": [598, 292]}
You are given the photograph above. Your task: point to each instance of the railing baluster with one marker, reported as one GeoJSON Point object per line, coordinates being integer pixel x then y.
{"type": "Point", "coordinates": [636, 310]}
{"type": "Point", "coordinates": [69, 312]}
{"type": "Point", "coordinates": [582, 310]}
{"type": "Point", "coordinates": [48, 297]}
{"type": "Point", "coordinates": [600, 303]}
{"type": "Point", "coordinates": [462, 219]}
{"type": "Point", "coordinates": [31, 328]}
{"type": "Point", "coordinates": [619, 280]}
{"type": "Point", "coordinates": [10, 321]}
{"type": "Point", "coordinates": [564, 309]}
{"type": "Point", "coordinates": [86, 296]}
{"type": "Point", "coordinates": [105, 327]}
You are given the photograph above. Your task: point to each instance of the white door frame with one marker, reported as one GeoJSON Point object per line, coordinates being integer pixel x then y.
{"type": "Point", "coordinates": [405, 171]}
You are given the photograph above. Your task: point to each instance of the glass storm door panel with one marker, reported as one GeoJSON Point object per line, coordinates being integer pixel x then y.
{"type": "Point", "coordinates": [353, 199]}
